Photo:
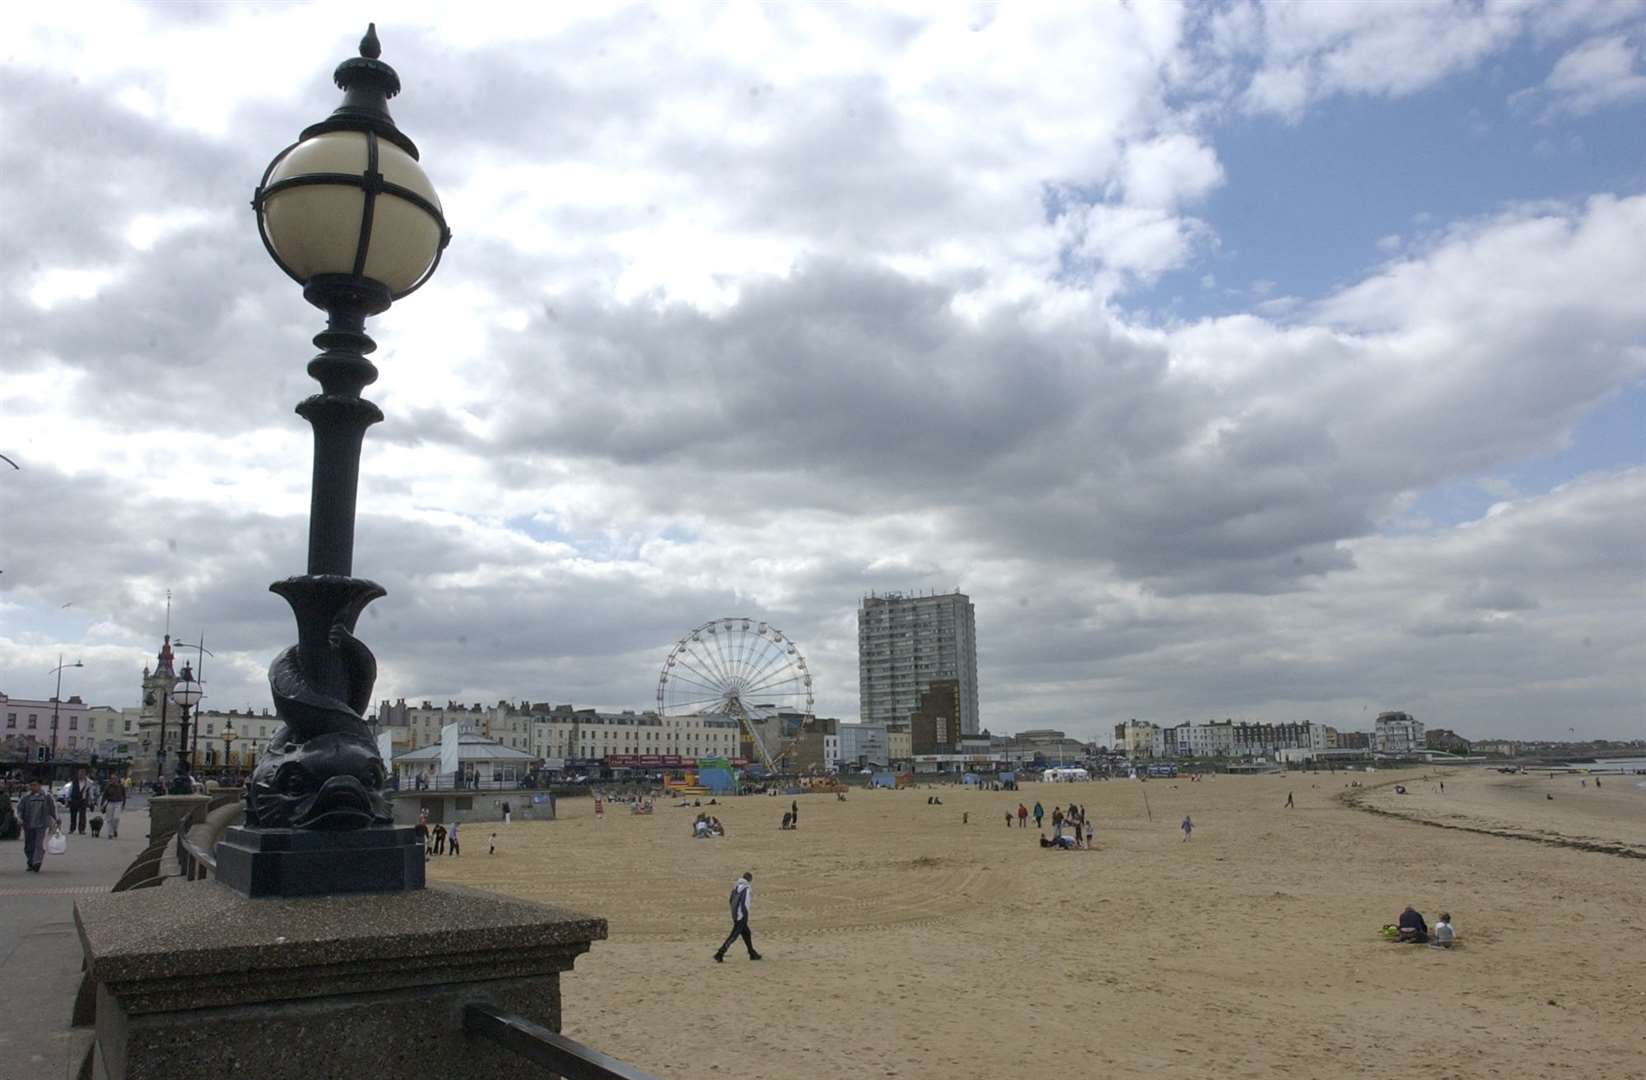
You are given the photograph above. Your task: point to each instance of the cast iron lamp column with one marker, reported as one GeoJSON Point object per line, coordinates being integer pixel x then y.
{"type": "Point", "coordinates": [348, 213]}
{"type": "Point", "coordinates": [186, 694]}
{"type": "Point", "coordinates": [56, 698]}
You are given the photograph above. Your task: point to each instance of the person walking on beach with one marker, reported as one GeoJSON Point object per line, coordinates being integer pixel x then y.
{"type": "Point", "coordinates": [451, 839]}
{"type": "Point", "coordinates": [740, 918]}
{"type": "Point", "coordinates": [422, 832]}
{"type": "Point", "coordinates": [493, 849]}
{"type": "Point", "coordinates": [439, 839]}
{"type": "Point", "coordinates": [37, 813]}
{"type": "Point", "coordinates": [1039, 812]}
{"type": "Point", "coordinates": [1289, 804]}
{"type": "Point", "coordinates": [114, 804]}
{"type": "Point", "coordinates": [1187, 827]}
{"type": "Point", "coordinates": [794, 813]}
{"type": "Point", "coordinates": [507, 817]}
{"type": "Point", "coordinates": [1022, 815]}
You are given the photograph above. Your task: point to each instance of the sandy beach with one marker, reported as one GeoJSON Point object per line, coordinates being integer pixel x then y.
{"type": "Point", "coordinates": [902, 942]}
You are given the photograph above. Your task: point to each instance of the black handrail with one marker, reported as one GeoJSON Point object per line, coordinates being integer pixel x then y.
{"type": "Point", "coordinates": [567, 1058]}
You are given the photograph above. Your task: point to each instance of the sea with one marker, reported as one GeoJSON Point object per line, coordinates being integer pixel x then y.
{"type": "Point", "coordinates": [1627, 764]}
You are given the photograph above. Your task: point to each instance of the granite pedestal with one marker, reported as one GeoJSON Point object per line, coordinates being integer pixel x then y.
{"type": "Point", "coordinates": [202, 982]}
{"type": "Point", "coordinates": [298, 862]}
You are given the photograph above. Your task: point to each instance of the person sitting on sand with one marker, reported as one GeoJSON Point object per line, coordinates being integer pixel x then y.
{"type": "Point", "coordinates": [1445, 936]}
{"type": "Point", "coordinates": [1043, 841]}
{"type": "Point", "coordinates": [787, 819]}
{"type": "Point", "coordinates": [716, 828]}
{"type": "Point", "coordinates": [1412, 927]}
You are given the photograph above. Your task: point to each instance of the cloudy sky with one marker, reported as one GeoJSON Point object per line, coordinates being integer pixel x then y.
{"type": "Point", "coordinates": [1278, 362]}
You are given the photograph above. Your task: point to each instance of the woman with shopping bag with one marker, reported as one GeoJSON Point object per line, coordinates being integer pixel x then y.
{"type": "Point", "coordinates": [38, 813]}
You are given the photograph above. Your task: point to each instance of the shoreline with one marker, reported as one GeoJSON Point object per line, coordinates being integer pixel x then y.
{"type": "Point", "coordinates": [1357, 799]}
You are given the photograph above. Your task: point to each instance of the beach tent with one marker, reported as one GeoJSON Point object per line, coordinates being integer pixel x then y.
{"type": "Point", "coordinates": [883, 779]}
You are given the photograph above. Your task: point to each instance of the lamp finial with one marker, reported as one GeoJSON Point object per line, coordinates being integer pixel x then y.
{"type": "Point", "coordinates": [370, 47]}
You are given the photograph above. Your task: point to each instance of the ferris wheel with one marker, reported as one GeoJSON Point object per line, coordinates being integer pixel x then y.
{"type": "Point", "coordinates": [737, 668]}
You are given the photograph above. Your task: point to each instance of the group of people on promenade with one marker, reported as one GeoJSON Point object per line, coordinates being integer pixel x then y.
{"type": "Point", "coordinates": [438, 840]}
{"type": "Point", "coordinates": [36, 817]}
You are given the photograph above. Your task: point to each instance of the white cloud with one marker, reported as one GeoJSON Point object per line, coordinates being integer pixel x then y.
{"type": "Point", "coordinates": [1307, 51]}
{"type": "Point", "coordinates": [758, 314]}
{"type": "Point", "coordinates": [1170, 170]}
{"type": "Point", "coordinates": [1602, 72]}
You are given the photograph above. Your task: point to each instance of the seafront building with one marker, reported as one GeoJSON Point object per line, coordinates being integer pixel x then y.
{"type": "Point", "coordinates": [566, 737]}
{"type": "Point", "coordinates": [1220, 739]}
{"type": "Point", "coordinates": [27, 724]}
{"type": "Point", "coordinates": [904, 644]}
{"type": "Point", "coordinates": [863, 745]}
{"type": "Point", "coordinates": [1397, 733]}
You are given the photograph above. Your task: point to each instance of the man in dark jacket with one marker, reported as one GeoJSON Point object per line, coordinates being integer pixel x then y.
{"type": "Point", "coordinates": [740, 918]}
{"type": "Point", "coordinates": [79, 799]}
{"type": "Point", "coordinates": [38, 813]}
{"type": "Point", "coordinates": [1412, 926]}
{"type": "Point", "coordinates": [114, 804]}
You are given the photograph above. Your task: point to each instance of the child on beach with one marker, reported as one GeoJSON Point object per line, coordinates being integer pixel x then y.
{"type": "Point", "coordinates": [1187, 827]}
{"type": "Point", "coordinates": [1444, 935]}
{"type": "Point", "coordinates": [493, 849]}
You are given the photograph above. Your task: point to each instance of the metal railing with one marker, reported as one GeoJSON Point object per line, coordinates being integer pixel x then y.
{"type": "Point", "coordinates": [199, 861]}
{"type": "Point", "coordinates": [565, 1057]}
{"type": "Point", "coordinates": [447, 783]}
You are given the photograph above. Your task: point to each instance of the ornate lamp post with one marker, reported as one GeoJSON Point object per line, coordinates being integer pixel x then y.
{"type": "Point", "coordinates": [186, 694]}
{"type": "Point", "coordinates": [347, 213]}
{"type": "Point", "coordinates": [229, 735]}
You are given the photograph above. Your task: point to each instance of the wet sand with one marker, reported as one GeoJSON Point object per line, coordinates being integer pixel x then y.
{"type": "Point", "coordinates": [900, 942]}
{"type": "Point", "coordinates": [1558, 809]}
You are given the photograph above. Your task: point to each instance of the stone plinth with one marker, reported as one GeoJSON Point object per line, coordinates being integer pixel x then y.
{"type": "Point", "coordinates": [298, 862]}
{"type": "Point", "coordinates": [165, 811]}
{"type": "Point", "coordinates": [201, 982]}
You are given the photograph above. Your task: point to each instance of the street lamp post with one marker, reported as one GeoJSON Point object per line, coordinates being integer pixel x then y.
{"type": "Point", "coordinates": [348, 213]}
{"type": "Point", "coordinates": [56, 697]}
{"type": "Point", "coordinates": [186, 694]}
{"type": "Point", "coordinates": [229, 735]}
